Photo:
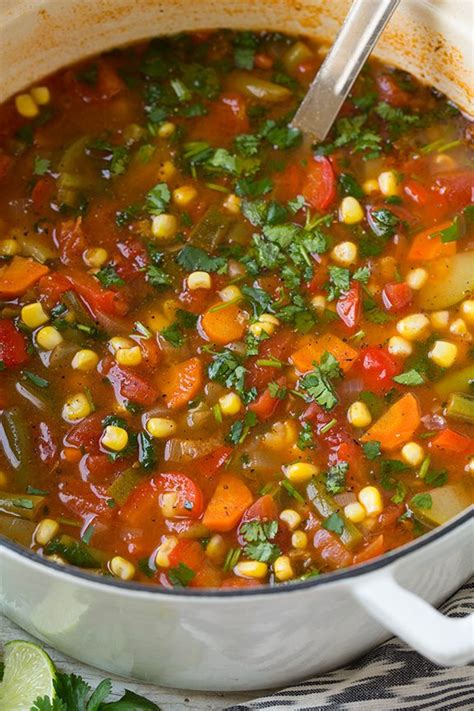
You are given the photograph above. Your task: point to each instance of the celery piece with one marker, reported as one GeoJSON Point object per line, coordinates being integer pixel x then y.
{"type": "Point", "coordinates": [461, 407]}
{"type": "Point", "coordinates": [326, 506]}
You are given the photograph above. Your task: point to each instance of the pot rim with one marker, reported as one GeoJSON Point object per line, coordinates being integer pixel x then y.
{"type": "Point", "coordinates": [140, 588]}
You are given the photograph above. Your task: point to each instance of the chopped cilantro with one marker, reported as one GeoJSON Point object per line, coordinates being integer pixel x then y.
{"type": "Point", "coordinates": [334, 523]}
{"type": "Point", "coordinates": [196, 259]}
{"type": "Point", "coordinates": [336, 478]}
{"type": "Point", "coordinates": [421, 501]}
{"type": "Point", "coordinates": [109, 277]}
{"type": "Point", "coordinates": [410, 377]}
{"type": "Point", "coordinates": [181, 575]}
{"type": "Point", "coordinates": [372, 449]}
{"type": "Point", "coordinates": [158, 199]}
{"type": "Point", "coordinates": [41, 166]}
{"type": "Point", "coordinates": [306, 437]}
{"type": "Point", "coordinates": [317, 386]}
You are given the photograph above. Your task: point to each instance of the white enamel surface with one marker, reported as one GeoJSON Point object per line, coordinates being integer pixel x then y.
{"type": "Point", "coordinates": [251, 641]}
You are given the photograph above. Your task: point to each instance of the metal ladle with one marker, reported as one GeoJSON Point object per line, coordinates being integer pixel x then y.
{"type": "Point", "coordinates": [357, 37]}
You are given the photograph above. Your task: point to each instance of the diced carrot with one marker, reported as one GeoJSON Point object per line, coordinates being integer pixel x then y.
{"type": "Point", "coordinates": [427, 244]}
{"type": "Point", "coordinates": [452, 441]}
{"type": "Point", "coordinates": [330, 549]}
{"type": "Point", "coordinates": [229, 501]}
{"type": "Point", "coordinates": [19, 275]}
{"type": "Point", "coordinates": [372, 550]}
{"type": "Point", "coordinates": [304, 358]}
{"type": "Point", "coordinates": [397, 425]}
{"type": "Point", "coordinates": [224, 325]}
{"type": "Point", "coordinates": [182, 382]}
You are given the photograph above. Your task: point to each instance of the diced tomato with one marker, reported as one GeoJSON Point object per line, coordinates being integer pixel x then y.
{"type": "Point", "coordinates": [391, 92]}
{"type": "Point", "coordinates": [83, 499]}
{"type": "Point", "coordinates": [397, 296]}
{"type": "Point", "coordinates": [130, 386]}
{"type": "Point", "coordinates": [266, 404]}
{"type": "Point", "coordinates": [141, 507]}
{"type": "Point", "coordinates": [240, 583]}
{"type": "Point", "coordinates": [263, 509]}
{"type": "Point", "coordinates": [319, 189]}
{"type": "Point", "coordinates": [51, 287]}
{"type": "Point", "coordinates": [98, 299]}
{"type": "Point", "coordinates": [288, 183]}
{"type": "Point", "coordinates": [187, 552]}
{"type": "Point", "coordinates": [132, 261]}
{"type": "Point", "coordinates": [371, 550]}
{"type": "Point", "coordinates": [196, 300]}
{"type": "Point", "coordinates": [151, 352]}
{"type": "Point", "coordinates": [330, 549]}
{"type": "Point", "coordinates": [277, 346]}
{"type": "Point", "coordinates": [349, 306]}
{"type": "Point", "coordinates": [226, 117]}
{"type": "Point", "coordinates": [452, 441]}
{"type": "Point", "coordinates": [263, 61]}
{"type": "Point", "coordinates": [86, 434]}
{"type": "Point", "coordinates": [189, 502]}
{"type": "Point", "coordinates": [71, 240]}
{"type": "Point", "coordinates": [42, 193]}
{"type": "Point", "coordinates": [107, 85]}
{"type": "Point", "coordinates": [208, 576]}
{"type": "Point", "coordinates": [306, 70]}
{"type": "Point", "coordinates": [98, 468]}
{"type": "Point", "coordinates": [13, 345]}
{"type": "Point", "coordinates": [457, 188]}
{"type": "Point", "coordinates": [390, 515]}
{"type": "Point", "coordinates": [377, 369]}
{"type": "Point", "coordinates": [209, 464]}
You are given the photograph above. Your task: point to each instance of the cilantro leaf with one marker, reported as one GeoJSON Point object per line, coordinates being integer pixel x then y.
{"type": "Point", "coordinates": [41, 166]}
{"type": "Point", "coordinates": [339, 282]}
{"type": "Point", "coordinates": [372, 449]}
{"type": "Point", "coordinates": [349, 186]}
{"type": "Point", "coordinates": [383, 222]}
{"type": "Point", "coordinates": [109, 277]}
{"type": "Point", "coordinates": [334, 523]}
{"type": "Point", "coordinates": [306, 437]}
{"type": "Point", "coordinates": [130, 702]}
{"type": "Point", "coordinates": [410, 377]}
{"type": "Point", "coordinates": [181, 576]}
{"type": "Point", "coordinates": [196, 259]}
{"type": "Point", "coordinates": [157, 277]}
{"type": "Point", "coordinates": [317, 385]}
{"type": "Point", "coordinates": [336, 478]}
{"type": "Point", "coordinates": [422, 501]}
{"type": "Point", "coordinates": [240, 429]}
{"type": "Point", "coordinates": [247, 144]}
{"type": "Point", "coordinates": [158, 199]}
{"type": "Point", "coordinates": [73, 690]}
{"type": "Point", "coordinates": [253, 531]}
{"type": "Point", "coordinates": [262, 551]}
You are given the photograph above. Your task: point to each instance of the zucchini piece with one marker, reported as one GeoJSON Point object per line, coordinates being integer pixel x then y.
{"type": "Point", "coordinates": [446, 502]}
{"type": "Point", "coordinates": [76, 552]}
{"type": "Point", "coordinates": [460, 381]}
{"type": "Point", "coordinates": [15, 440]}
{"type": "Point", "coordinates": [25, 506]}
{"type": "Point", "coordinates": [211, 229]}
{"type": "Point", "coordinates": [461, 407]}
{"type": "Point", "coordinates": [78, 173]}
{"type": "Point", "coordinates": [17, 529]}
{"type": "Point", "coordinates": [124, 484]}
{"type": "Point", "coordinates": [450, 280]}
{"type": "Point", "coordinates": [325, 506]}
{"type": "Point", "coordinates": [253, 87]}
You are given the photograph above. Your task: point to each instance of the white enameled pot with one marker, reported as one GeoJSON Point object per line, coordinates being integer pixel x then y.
{"type": "Point", "coordinates": [254, 638]}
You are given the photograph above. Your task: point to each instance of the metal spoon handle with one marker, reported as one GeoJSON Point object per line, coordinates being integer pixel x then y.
{"type": "Point", "coordinates": [357, 37]}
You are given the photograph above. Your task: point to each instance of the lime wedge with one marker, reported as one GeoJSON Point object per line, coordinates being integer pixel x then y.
{"type": "Point", "coordinates": [29, 673]}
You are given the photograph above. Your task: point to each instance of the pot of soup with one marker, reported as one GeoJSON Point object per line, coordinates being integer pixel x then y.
{"type": "Point", "coordinates": [236, 405]}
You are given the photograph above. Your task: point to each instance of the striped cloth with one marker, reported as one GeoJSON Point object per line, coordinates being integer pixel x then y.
{"type": "Point", "coordinates": [392, 677]}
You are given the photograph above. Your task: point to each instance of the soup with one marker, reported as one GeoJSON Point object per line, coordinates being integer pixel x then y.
{"type": "Point", "coordinates": [229, 358]}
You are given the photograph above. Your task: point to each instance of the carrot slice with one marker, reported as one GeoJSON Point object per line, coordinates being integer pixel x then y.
{"type": "Point", "coordinates": [182, 382]}
{"type": "Point", "coordinates": [229, 501]}
{"type": "Point", "coordinates": [397, 425]}
{"type": "Point", "coordinates": [427, 244]}
{"type": "Point", "coordinates": [372, 550]}
{"type": "Point", "coordinates": [224, 325]}
{"type": "Point", "coordinates": [453, 441]}
{"type": "Point", "coordinates": [17, 276]}
{"type": "Point", "coordinates": [304, 358]}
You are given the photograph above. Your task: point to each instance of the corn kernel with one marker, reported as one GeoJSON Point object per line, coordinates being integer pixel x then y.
{"type": "Point", "coordinates": [166, 171]}
{"type": "Point", "coordinates": [169, 503]}
{"type": "Point", "coordinates": [458, 328]}
{"type": "Point", "coordinates": [388, 183]}
{"type": "Point", "coordinates": [355, 512]}
{"type": "Point", "coordinates": [319, 303]}
{"type": "Point", "coordinates": [359, 415]}
{"type": "Point", "coordinates": [443, 353]}
{"type": "Point", "coordinates": [345, 253]}
{"type": "Point", "coordinates": [251, 569]}
{"type": "Point", "coordinates": [370, 186]}
{"type": "Point", "coordinates": [95, 257]}
{"type": "Point", "coordinates": [281, 435]}
{"type": "Point", "coordinates": [118, 342]}
{"type": "Point", "coordinates": [232, 204]}
{"type": "Point", "coordinates": [417, 278]}
{"type": "Point", "coordinates": [9, 247]}
{"type": "Point", "coordinates": [114, 438]}
{"type": "Point", "coordinates": [122, 568]}
{"type": "Point", "coordinates": [76, 407]}
{"type": "Point", "coordinates": [164, 226]}
{"type": "Point", "coordinates": [371, 500]}
{"type": "Point", "coordinates": [41, 95]}
{"type": "Point", "coordinates": [184, 195]}
{"type": "Point", "coordinates": [282, 568]}
{"type": "Point", "coordinates": [129, 356]}
{"type": "Point", "coordinates": [399, 347]}
{"type": "Point", "coordinates": [33, 315]}
{"type": "Point", "coordinates": [216, 549]}
{"type": "Point", "coordinates": [299, 540]}
{"type": "Point", "coordinates": [85, 360]}
{"type": "Point", "coordinates": [230, 293]}
{"type": "Point", "coordinates": [412, 454]}
{"type": "Point", "coordinates": [443, 162]}
{"type": "Point", "coordinates": [199, 280]}
{"type": "Point", "coordinates": [350, 211]}
{"type": "Point", "coordinates": [414, 327]}
{"type": "Point", "coordinates": [48, 338]}
{"type": "Point", "coordinates": [160, 427]}
{"type": "Point", "coordinates": [470, 466]}
{"type": "Point", "coordinates": [267, 323]}
{"type": "Point", "coordinates": [291, 518]}
{"type": "Point", "coordinates": [26, 106]}
{"type": "Point", "coordinates": [301, 472]}
{"type": "Point", "coordinates": [162, 558]}
{"type": "Point", "coordinates": [166, 129]}
{"type": "Point", "coordinates": [467, 311]}
{"type": "Point", "coordinates": [439, 319]}
{"type": "Point", "coordinates": [46, 529]}
{"type": "Point", "coordinates": [230, 404]}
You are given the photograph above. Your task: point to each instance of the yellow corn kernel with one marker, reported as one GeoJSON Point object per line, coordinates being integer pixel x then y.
{"type": "Point", "coordinates": [417, 278]}
{"type": "Point", "coordinates": [46, 529]}
{"type": "Point", "coordinates": [164, 227]}
{"type": "Point", "coordinates": [350, 211]}
{"type": "Point", "coordinates": [41, 95]}
{"type": "Point", "coordinates": [230, 404]}
{"type": "Point", "coordinates": [95, 257]}
{"type": "Point", "coordinates": [230, 293]}
{"type": "Point", "coordinates": [267, 323]}
{"type": "Point", "coordinates": [162, 558]}
{"type": "Point", "coordinates": [199, 280]}
{"type": "Point", "coordinates": [319, 303]}
{"type": "Point", "coordinates": [470, 466]}
{"type": "Point", "coordinates": [216, 549]}
{"type": "Point", "coordinates": [359, 415]}
{"type": "Point", "coordinates": [160, 427]}
{"type": "Point", "coordinates": [114, 438]}
{"type": "Point", "coordinates": [48, 338]}
{"type": "Point", "coordinates": [281, 436]}
{"type": "Point", "coordinates": [251, 569]}
{"type": "Point", "coordinates": [291, 518]}
{"type": "Point", "coordinates": [443, 353]}
{"type": "Point", "coordinates": [388, 183]}
{"type": "Point", "coordinates": [412, 454]}
{"type": "Point", "coordinates": [166, 171]}
{"type": "Point", "coordinates": [168, 504]}
{"type": "Point", "coordinates": [467, 311]}
{"type": "Point", "coordinates": [371, 500]}
{"type": "Point", "coordinates": [33, 315]}
{"type": "Point", "coordinates": [9, 247]}
{"type": "Point", "coordinates": [76, 408]}
{"type": "Point", "coordinates": [85, 360]}
{"type": "Point", "coordinates": [355, 512]}
{"type": "Point", "coordinates": [443, 162]}
{"type": "Point", "coordinates": [129, 356]}
{"type": "Point", "coordinates": [118, 342]}
{"type": "Point", "coordinates": [439, 319]}
{"type": "Point", "coordinates": [166, 129]}
{"type": "Point", "coordinates": [458, 328]}
{"type": "Point", "coordinates": [26, 106]}
{"type": "Point", "coordinates": [299, 540]}
{"type": "Point", "coordinates": [399, 347]}
{"type": "Point", "coordinates": [184, 195]}
{"type": "Point", "coordinates": [370, 186]}
{"type": "Point", "coordinates": [282, 568]}
{"type": "Point", "coordinates": [301, 472]}
{"type": "Point", "coordinates": [345, 253]}
{"type": "Point", "coordinates": [414, 327]}
{"type": "Point", "coordinates": [232, 204]}
{"type": "Point", "coordinates": [122, 568]}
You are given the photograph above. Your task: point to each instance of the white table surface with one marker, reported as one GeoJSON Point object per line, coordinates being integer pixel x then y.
{"type": "Point", "coordinates": [166, 699]}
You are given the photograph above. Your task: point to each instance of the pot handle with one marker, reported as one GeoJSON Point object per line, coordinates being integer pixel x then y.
{"type": "Point", "coordinates": [443, 640]}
